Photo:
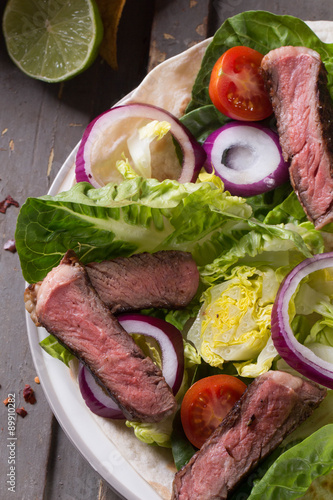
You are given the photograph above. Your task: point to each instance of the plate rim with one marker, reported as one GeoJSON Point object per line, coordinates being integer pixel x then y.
{"type": "Point", "coordinates": [136, 487]}
{"type": "Point", "coordinates": [54, 378]}
{"type": "Point", "coordinates": [140, 489]}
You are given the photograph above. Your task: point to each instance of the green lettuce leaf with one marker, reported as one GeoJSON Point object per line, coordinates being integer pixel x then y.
{"type": "Point", "coordinates": [233, 324]}
{"type": "Point", "coordinates": [51, 345]}
{"type": "Point", "coordinates": [154, 434]}
{"type": "Point", "coordinates": [263, 32]}
{"type": "Point", "coordinates": [118, 220]}
{"type": "Point", "coordinates": [182, 450]}
{"type": "Point", "coordinates": [263, 204]}
{"type": "Point", "coordinates": [234, 321]}
{"type": "Point", "coordinates": [293, 472]}
{"type": "Point", "coordinates": [203, 121]}
{"type": "Point", "coordinates": [289, 210]}
{"type": "Point", "coordinates": [280, 247]}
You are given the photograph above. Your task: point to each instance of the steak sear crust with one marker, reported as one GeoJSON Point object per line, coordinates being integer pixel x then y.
{"type": "Point", "coordinates": [274, 404]}
{"type": "Point", "coordinates": [69, 308]}
{"type": "Point", "coordinates": [297, 82]}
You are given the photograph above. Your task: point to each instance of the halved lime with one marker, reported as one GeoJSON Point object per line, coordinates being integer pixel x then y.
{"type": "Point", "coordinates": [52, 40]}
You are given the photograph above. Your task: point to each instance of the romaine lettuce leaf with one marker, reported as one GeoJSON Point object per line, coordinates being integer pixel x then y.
{"type": "Point", "coordinates": [289, 210]}
{"type": "Point", "coordinates": [293, 472]}
{"type": "Point", "coordinates": [136, 216]}
{"type": "Point", "coordinates": [160, 433]}
{"type": "Point", "coordinates": [261, 364]}
{"type": "Point", "coordinates": [263, 204]}
{"type": "Point", "coordinates": [51, 345]}
{"type": "Point", "coordinates": [234, 321]}
{"type": "Point", "coordinates": [155, 433]}
{"type": "Point", "coordinates": [281, 247]}
{"type": "Point", "coordinates": [263, 32]}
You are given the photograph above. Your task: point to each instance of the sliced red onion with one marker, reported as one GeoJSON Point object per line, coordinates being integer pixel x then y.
{"type": "Point", "coordinates": [247, 157]}
{"type": "Point", "coordinates": [298, 356]}
{"type": "Point", "coordinates": [170, 341]}
{"type": "Point", "coordinates": [193, 154]}
{"type": "Point", "coordinates": [95, 397]}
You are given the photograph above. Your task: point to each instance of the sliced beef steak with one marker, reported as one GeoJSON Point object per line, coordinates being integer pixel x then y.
{"type": "Point", "coordinates": [297, 82]}
{"type": "Point", "coordinates": [69, 308]}
{"type": "Point", "coordinates": [272, 406]}
{"type": "Point", "coordinates": [167, 279]}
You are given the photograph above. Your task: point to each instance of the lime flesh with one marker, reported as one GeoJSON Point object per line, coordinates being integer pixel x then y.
{"type": "Point", "coordinates": [52, 40]}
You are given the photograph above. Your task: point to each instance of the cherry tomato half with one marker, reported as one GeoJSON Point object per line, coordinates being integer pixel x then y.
{"type": "Point", "coordinates": [237, 87]}
{"type": "Point", "coordinates": [206, 403]}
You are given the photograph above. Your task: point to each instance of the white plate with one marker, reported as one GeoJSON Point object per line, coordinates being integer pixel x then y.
{"type": "Point", "coordinates": [67, 404]}
{"type": "Point", "coordinates": [77, 421]}
{"type": "Point", "coordinates": [60, 388]}
{"type": "Point", "coordinates": [87, 432]}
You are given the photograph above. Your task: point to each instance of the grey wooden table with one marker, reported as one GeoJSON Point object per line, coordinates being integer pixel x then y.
{"type": "Point", "coordinates": [39, 126]}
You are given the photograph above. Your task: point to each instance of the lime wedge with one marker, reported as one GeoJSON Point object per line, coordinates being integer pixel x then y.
{"type": "Point", "coordinates": [52, 40]}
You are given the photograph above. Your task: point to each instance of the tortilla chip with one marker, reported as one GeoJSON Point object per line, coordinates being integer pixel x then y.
{"type": "Point", "coordinates": [110, 11]}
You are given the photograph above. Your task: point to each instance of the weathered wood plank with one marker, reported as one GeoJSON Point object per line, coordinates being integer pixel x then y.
{"type": "Point", "coordinates": [82, 99]}
{"type": "Point", "coordinates": [17, 137]}
{"type": "Point", "coordinates": [86, 483]}
{"type": "Point", "coordinates": [176, 27]}
{"type": "Point", "coordinates": [70, 479]}
{"type": "Point", "coordinates": [304, 9]}
{"type": "Point", "coordinates": [39, 126]}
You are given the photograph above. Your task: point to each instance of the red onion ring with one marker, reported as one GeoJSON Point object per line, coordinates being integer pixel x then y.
{"type": "Point", "coordinates": [247, 157]}
{"type": "Point", "coordinates": [95, 397]}
{"type": "Point", "coordinates": [193, 154]}
{"type": "Point", "coordinates": [170, 341]}
{"type": "Point", "coordinates": [298, 356]}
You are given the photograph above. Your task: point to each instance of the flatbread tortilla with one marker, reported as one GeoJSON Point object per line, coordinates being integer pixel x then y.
{"type": "Point", "coordinates": [169, 85]}
{"type": "Point", "coordinates": [176, 77]}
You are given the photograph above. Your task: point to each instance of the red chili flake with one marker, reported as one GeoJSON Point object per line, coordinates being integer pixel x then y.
{"type": "Point", "coordinates": [6, 203]}
{"type": "Point", "coordinates": [36, 379]}
{"type": "Point", "coordinates": [6, 401]}
{"type": "Point", "coordinates": [29, 394]}
{"type": "Point", "coordinates": [22, 412]}
{"type": "Point", "coordinates": [10, 246]}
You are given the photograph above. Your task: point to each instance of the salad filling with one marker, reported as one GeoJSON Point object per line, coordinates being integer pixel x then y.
{"type": "Point", "coordinates": [243, 247]}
